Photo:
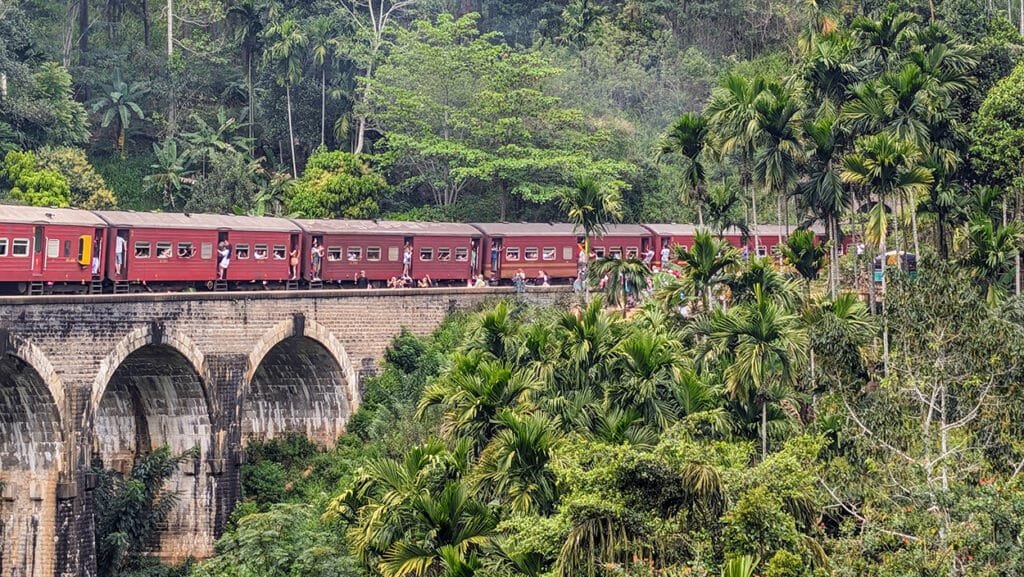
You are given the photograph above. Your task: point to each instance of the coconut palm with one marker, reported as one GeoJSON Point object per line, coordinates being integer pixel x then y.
{"type": "Point", "coordinates": [706, 262]}
{"type": "Point", "coordinates": [170, 175]}
{"type": "Point", "coordinates": [591, 206]}
{"type": "Point", "coordinates": [687, 139]}
{"type": "Point", "coordinates": [287, 42]}
{"type": "Point", "coordinates": [625, 277]}
{"type": "Point", "coordinates": [804, 254]}
{"type": "Point", "coordinates": [733, 119]}
{"type": "Point", "coordinates": [119, 103]}
{"type": "Point", "coordinates": [765, 346]}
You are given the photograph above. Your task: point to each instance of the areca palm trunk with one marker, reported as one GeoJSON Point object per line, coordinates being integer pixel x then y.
{"type": "Point", "coordinates": [248, 60]}
{"type": "Point", "coordinates": [885, 316]}
{"type": "Point", "coordinates": [323, 105]}
{"type": "Point", "coordinates": [764, 428]}
{"type": "Point", "coordinates": [291, 131]}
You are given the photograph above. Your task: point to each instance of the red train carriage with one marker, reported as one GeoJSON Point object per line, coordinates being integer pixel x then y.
{"type": "Point", "coordinates": [446, 252]}
{"type": "Point", "coordinates": [552, 248]}
{"type": "Point", "coordinates": [48, 246]}
{"type": "Point", "coordinates": [183, 248]}
{"type": "Point", "coordinates": [769, 236]}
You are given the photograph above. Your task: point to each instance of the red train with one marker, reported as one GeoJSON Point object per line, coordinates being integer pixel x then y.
{"type": "Point", "coordinates": [52, 250]}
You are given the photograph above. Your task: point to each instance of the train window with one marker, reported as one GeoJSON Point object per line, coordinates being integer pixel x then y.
{"type": "Point", "coordinates": [393, 253]}
{"type": "Point", "coordinates": [762, 251]}
{"type": "Point", "coordinates": [426, 253]}
{"type": "Point", "coordinates": [355, 253]}
{"type": "Point", "coordinates": [52, 248]}
{"type": "Point", "coordinates": [567, 253]}
{"type": "Point", "coordinates": [632, 252]}
{"type": "Point", "coordinates": [461, 254]}
{"type": "Point", "coordinates": [549, 253]}
{"type": "Point", "coordinates": [616, 252]}
{"type": "Point", "coordinates": [241, 251]}
{"type": "Point", "coordinates": [373, 253]}
{"type": "Point", "coordinates": [444, 254]}
{"type": "Point", "coordinates": [206, 251]}
{"type": "Point", "coordinates": [530, 253]}
{"type": "Point", "coordinates": [20, 247]}
{"type": "Point", "coordinates": [3, 247]}
{"type": "Point", "coordinates": [67, 249]}
{"type": "Point", "coordinates": [599, 251]}
{"type": "Point", "coordinates": [186, 250]}
{"type": "Point", "coordinates": [334, 253]}
{"type": "Point", "coordinates": [280, 252]}
{"type": "Point", "coordinates": [163, 250]}
{"type": "Point", "coordinates": [776, 251]}
{"type": "Point", "coordinates": [259, 252]}
{"type": "Point", "coordinates": [512, 253]}
{"type": "Point", "coordinates": [142, 250]}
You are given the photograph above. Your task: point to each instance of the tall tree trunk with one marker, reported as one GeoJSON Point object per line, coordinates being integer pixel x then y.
{"type": "Point", "coordinates": [885, 296]}
{"type": "Point", "coordinates": [170, 28]}
{"type": "Point", "coordinates": [913, 224]}
{"type": "Point", "coordinates": [146, 33]}
{"type": "Point", "coordinates": [323, 106]}
{"type": "Point", "coordinates": [83, 32]}
{"type": "Point", "coordinates": [291, 131]}
{"type": "Point", "coordinates": [700, 215]}
{"type": "Point", "coordinates": [248, 60]}
{"type": "Point", "coordinates": [778, 216]}
{"type": "Point", "coordinates": [764, 429]}
{"type": "Point", "coordinates": [1022, 16]}
{"type": "Point", "coordinates": [753, 203]}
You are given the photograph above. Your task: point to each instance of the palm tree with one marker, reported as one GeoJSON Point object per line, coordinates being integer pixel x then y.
{"type": "Point", "coordinates": [733, 119]}
{"type": "Point", "coordinates": [886, 166]}
{"type": "Point", "coordinates": [590, 206]}
{"type": "Point", "coordinates": [513, 468]}
{"type": "Point", "coordinates": [823, 192]}
{"type": "Point", "coordinates": [805, 255]}
{"type": "Point", "coordinates": [706, 262]}
{"type": "Point", "coordinates": [779, 143]}
{"type": "Point", "coordinates": [839, 328]}
{"type": "Point", "coordinates": [742, 566]}
{"type": "Point", "coordinates": [688, 140]}
{"type": "Point", "coordinates": [287, 42]}
{"type": "Point", "coordinates": [648, 379]}
{"type": "Point", "coordinates": [323, 44]}
{"type": "Point", "coordinates": [209, 140]}
{"type": "Point", "coordinates": [990, 252]}
{"type": "Point", "coordinates": [247, 19]}
{"type": "Point", "coordinates": [883, 42]}
{"type": "Point", "coordinates": [765, 346]}
{"type": "Point", "coordinates": [169, 174]}
{"type": "Point", "coordinates": [725, 209]}
{"type": "Point", "coordinates": [625, 277]}
{"type": "Point", "coordinates": [119, 103]}
{"type": "Point", "coordinates": [473, 392]}
{"type": "Point", "coordinates": [761, 273]}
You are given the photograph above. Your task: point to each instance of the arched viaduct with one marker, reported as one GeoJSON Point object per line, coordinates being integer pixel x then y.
{"type": "Point", "coordinates": [102, 379]}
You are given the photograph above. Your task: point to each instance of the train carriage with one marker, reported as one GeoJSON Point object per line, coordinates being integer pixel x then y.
{"type": "Point", "coordinates": [446, 252]}
{"type": "Point", "coordinates": [183, 248]}
{"type": "Point", "coordinates": [553, 247]}
{"type": "Point", "coordinates": [769, 236]}
{"type": "Point", "coordinates": [52, 246]}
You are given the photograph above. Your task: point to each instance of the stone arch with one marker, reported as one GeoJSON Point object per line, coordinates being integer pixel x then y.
{"type": "Point", "coordinates": [152, 390]}
{"type": "Point", "coordinates": [298, 379]}
{"type": "Point", "coordinates": [33, 457]}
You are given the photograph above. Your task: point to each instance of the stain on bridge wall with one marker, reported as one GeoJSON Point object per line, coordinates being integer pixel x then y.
{"type": "Point", "coordinates": [31, 450]}
{"type": "Point", "coordinates": [155, 398]}
{"type": "Point", "coordinates": [298, 388]}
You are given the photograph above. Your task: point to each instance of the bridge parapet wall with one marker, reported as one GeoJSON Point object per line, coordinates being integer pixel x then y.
{"type": "Point", "coordinates": [202, 370]}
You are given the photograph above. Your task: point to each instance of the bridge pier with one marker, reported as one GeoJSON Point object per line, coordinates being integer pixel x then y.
{"type": "Point", "coordinates": [110, 377]}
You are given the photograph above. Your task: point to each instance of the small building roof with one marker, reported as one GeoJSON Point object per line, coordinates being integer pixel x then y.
{"type": "Point", "coordinates": [554, 229]}
{"type": "Point", "coordinates": [197, 221]}
{"type": "Point", "coordinates": [10, 213]}
{"type": "Point", "coordinates": [387, 227]}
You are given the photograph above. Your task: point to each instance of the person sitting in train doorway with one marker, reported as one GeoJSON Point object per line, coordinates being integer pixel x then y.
{"type": "Point", "coordinates": [407, 261]}
{"type": "Point", "coordinates": [224, 252]}
{"type": "Point", "coordinates": [294, 263]}
{"type": "Point", "coordinates": [543, 279]}
{"type": "Point", "coordinates": [120, 247]}
{"type": "Point", "coordinates": [519, 281]}
{"type": "Point", "coordinates": [316, 253]}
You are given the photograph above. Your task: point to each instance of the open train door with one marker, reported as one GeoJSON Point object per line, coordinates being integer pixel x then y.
{"type": "Point", "coordinates": [38, 256]}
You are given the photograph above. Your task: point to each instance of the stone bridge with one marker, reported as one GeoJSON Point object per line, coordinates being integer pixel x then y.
{"type": "Point", "coordinates": [101, 379]}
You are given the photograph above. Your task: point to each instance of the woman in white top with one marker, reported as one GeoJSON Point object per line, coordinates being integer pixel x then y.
{"type": "Point", "coordinates": [224, 252]}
